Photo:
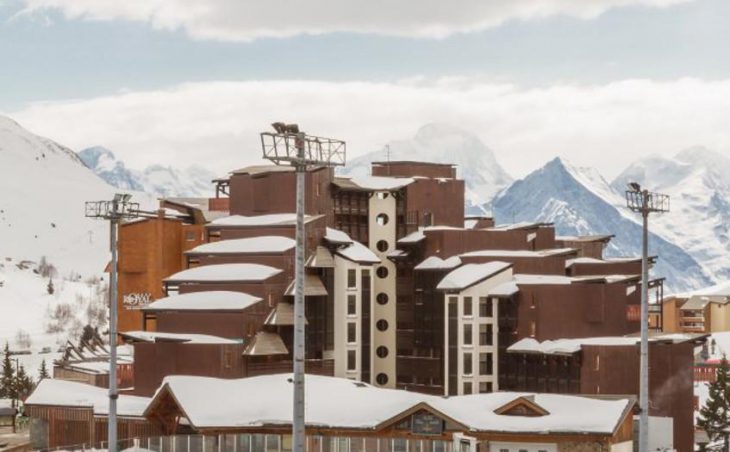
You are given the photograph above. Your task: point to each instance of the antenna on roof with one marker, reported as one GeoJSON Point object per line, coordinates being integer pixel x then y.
{"type": "Point", "coordinates": [387, 156]}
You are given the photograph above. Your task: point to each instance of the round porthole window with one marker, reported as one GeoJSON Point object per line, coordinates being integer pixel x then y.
{"type": "Point", "coordinates": [382, 298]}
{"type": "Point", "coordinates": [382, 379]}
{"type": "Point", "coordinates": [381, 351]}
{"type": "Point", "coordinates": [382, 272]}
{"type": "Point", "coordinates": [382, 246]}
{"type": "Point", "coordinates": [382, 219]}
{"type": "Point", "coordinates": [381, 325]}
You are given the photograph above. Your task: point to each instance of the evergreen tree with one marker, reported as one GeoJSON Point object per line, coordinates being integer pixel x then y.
{"type": "Point", "coordinates": [715, 415]}
{"type": "Point", "coordinates": [50, 287]}
{"type": "Point", "coordinates": [43, 373]}
{"type": "Point", "coordinates": [7, 379]}
{"type": "Point", "coordinates": [24, 384]}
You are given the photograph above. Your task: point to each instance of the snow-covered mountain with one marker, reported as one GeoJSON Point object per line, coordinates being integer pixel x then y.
{"type": "Point", "coordinates": [580, 201]}
{"type": "Point", "coordinates": [442, 143]}
{"type": "Point", "coordinates": [698, 182]}
{"type": "Point", "coordinates": [157, 180]}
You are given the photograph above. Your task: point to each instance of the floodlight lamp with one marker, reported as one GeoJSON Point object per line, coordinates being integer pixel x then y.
{"type": "Point", "coordinates": [118, 197]}
{"type": "Point", "coordinates": [292, 128]}
{"type": "Point", "coordinates": [634, 186]}
{"type": "Point", "coordinates": [126, 197]}
{"type": "Point", "coordinates": [280, 127]}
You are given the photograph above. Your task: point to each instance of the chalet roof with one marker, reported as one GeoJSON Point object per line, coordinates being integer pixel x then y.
{"type": "Point", "coordinates": [413, 237]}
{"type": "Point", "coordinates": [214, 300]}
{"type": "Point", "coordinates": [585, 238]}
{"type": "Point", "coordinates": [205, 403]}
{"type": "Point", "coordinates": [349, 248]}
{"type": "Point", "coordinates": [529, 279]}
{"type": "Point", "coordinates": [321, 258]}
{"type": "Point", "coordinates": [282, 314]}
{"type": "Point", "coordinates": [276, 219]}
{"type": "Point", "coordinates": [156, 336]}
{"type": "Point", "coordinates": [224, 272]}
{"type": "Point", "coordinates": [372, 183]}
{"type": "Point", "coordinates": [436, 263]}
{"type": "Point", "coordinates": [470, 274]}
{"type": "Point", "coordinates": [265, 344]}
{"type": "Point", "coordinates": [695, 303]}
{"type": "Point", "coordinates": [613, 260]}
{"type": "Point", "coordinates": [53, 392]}
{"type": "Point", "coordinates": [521, 253]}
{"type": "Point", "coordinates": [253, 245]}
{"type": "Point", "coordinates": [518, 226]}
{"type": "Point", "coordinates": [506, 289]}
{"type": "Point", "coordinates": [313, 287]}
{"type": "Point", "coordinates": [570, 346]}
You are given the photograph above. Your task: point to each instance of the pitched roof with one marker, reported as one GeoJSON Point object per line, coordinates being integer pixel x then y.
{"type": "Point", "coordinates": [470, 274]}
{"type": "Point", "coordinates": [266, 343]}
{"type": "Point", "coordinates": [214, 300]}
{"type": "Point", "coordinates": [156, 336]}
{"type": "Point", "coordinates": [436, 263]}
{"type": "Point", "coordinates": [53, 392]}
{"type": "Point", "coordinates": [224, 272]}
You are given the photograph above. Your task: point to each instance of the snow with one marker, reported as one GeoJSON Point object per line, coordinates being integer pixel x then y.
{"type": "Point", "coordinates": [718, 290]}
{"type": "Point", "coordinates": [380, 183]}
{"type": "Point", "coordinates": [276, 219]}
{"type": "Point", "coordinates": [518, 253]}
{"type": "Point", "coordinates": [506, 289]}
{"type": "Point", "coordinates": [516, 226]}
{"type": "Point", "coordinates": [444, 143]}
{"type": "Point", "coordinates": [413, 237]}
{"type": "Point", "coordinates": [225, 272]}
{"type": "Point", "coordinates": [215, 300]}
{"type": "Point", "coordinates": [153, 336]}
{"type": "Point", "coordinates": [357, 252]}
{"type": "Point", "coordinates": [336, 236]}
{"type": "Point", "coordinates": [160, 181]}
{"type": "Point", "coordinates": [470, 223]}
{"type": "Point", "coordinates": [206, 401]}
{"type": "Point", "coordinates": [436, 263]}
{"type": "Point", "coordinates": [569, 346]}
{"type": "Point", "coordinates": [470, 274]}
{"type": "Point", "coordinates": [263, 244]}
{"type": "Point", "coordinates": [522, 278]}
{"type": "Point", "coordinates": [65, 393]}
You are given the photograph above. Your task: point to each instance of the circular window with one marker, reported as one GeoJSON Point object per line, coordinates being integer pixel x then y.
{"type": "Point", "coordinates": [382, 272]}
{"type": "Point", "coordinates": [382, 246]}
{"type": "Point", "coordinates": [382, 219]}
{"type": "Point", "coordinates": [381, 325]}
{"type": "Point", "coordinates": [381, 351]}
{"type": "Point", "coordinates": [382, 379]}
{"type": "Point", "coordinates": [382, 298]}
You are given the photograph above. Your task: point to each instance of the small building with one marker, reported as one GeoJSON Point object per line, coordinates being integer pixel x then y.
{"type": "Point", "coordinates": [702, 311]}
{"type": "Point", "coordinates": [7, 416]}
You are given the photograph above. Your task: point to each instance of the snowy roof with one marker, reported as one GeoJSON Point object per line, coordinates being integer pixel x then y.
{"type": "Point", "coordinates": [520, 225]}
{"type": "Point", "coordinates": [436, 263]}
{"type": "Point", "coordinates": [354, 251]}
{"type": "Point", "coordinates": [413, 237]}
{"type": "Point", "coordinates": [268, 404]}
{"type": "Point", "coordinates": [519, 253]}
{"type": "Point", "coordinates": [469, 223]}
{"type": "Point", "coordinates": [53, 392]}
{"type": "Point", "coordinates": [156, 336]}
{"type": "Point", "coordinates": [506, 289]}
{"type": "Point", "coordinates": [215, 300]}
{"type": "Point", "coordinates": [470, 274]}
{"type": "Point", "coordinates": [376, 183]}
{"type": "Point", "coordinates": [276, 219]}
{"type": "Point", "coordinates": [336, 236]}
{"type": "Point", "coordinates": [584, 238]}
{"type": "Point", "coordinates": [225, 272]}
{"type": "Point", "coordinates": [592, 260]}
{"type": "Point", "coordinates": [263, 244]}
{"type": "Point", "coordinates": [570, 346]}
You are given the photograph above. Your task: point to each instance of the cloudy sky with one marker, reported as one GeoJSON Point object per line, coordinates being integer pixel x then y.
{"type": "Point", "coordinates": [600, 82]}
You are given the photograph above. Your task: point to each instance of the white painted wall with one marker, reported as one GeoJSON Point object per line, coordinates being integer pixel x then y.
{"type": "Point", "coordinates": [626, 446]}
{"type": "Point", "coordinates": [341, 317]}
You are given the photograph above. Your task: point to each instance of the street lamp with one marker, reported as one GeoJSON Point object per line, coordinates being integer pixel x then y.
{"type": "Point", "coordinates": [289, 145]}
{"type": "Point", "coordinates": [645, 202]}
{"type": "Point", "coordinates": [114, 211]}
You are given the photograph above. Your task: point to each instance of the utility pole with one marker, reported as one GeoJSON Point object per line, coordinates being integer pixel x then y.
{"type": "Point", "coordinates": [114, 211]}
{"type": "Point", "coordinates": [289, 145]}
{"type": "Point", "coordinates": [645, 202]}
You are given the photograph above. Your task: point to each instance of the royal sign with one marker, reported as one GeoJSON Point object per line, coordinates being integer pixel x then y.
{"type": "Point", "coordinates": [134, 301]}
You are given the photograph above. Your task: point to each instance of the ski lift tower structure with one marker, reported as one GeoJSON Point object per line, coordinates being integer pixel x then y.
{"type": "Point", "coordinates": [289, 146]}
{"type": "Point", "coordinates": [116, 210]}
{"type": "Point", "coordinates": [645, 202]}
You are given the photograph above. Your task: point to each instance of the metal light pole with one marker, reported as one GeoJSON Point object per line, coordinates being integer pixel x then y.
{"type": "Point", "coordinates": [289, 145]}
{"type": "Point", "coordinates": [645, 202]}
{"type": "Point", "coordinates": [114, 211]}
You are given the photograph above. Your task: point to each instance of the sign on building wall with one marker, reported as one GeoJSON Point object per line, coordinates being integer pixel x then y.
{"type": "Point", "coordinates": [134, 301]}
{"type": "Point", "coordinates": [426, 424]}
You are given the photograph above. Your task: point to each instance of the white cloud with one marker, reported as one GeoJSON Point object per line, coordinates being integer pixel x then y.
{"type": "Point", "coordinates": [245, 20]}
{"type": "Point", "coordinates": [216, 124]}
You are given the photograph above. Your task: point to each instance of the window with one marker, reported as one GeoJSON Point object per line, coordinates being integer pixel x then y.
{"type": "Point", "coordinates": [486, 334]}
{"type": "Point", "coordinates": [467, 387]}
{"type": "Point", "coordinates": [382, 379]}
{"type": "Point", "coordinates": [381, 325]}
{"type": "Point", "coordinates": [467, 307]}
{"type": "Point", "coordinates": [598, 362]}
{"type": "Point", "coordinates": [382, 246]}
{"type": "Point", "coordinates": [351, 305]}
{"type": "Point", "coordinates": [485, 307]}
{"type": "Point", "coordinates": [467, 363]}
{"type": "Point", "coordinates": [382, 272]}
{"type": "Point", "coordinates": [351, 278]}
{"type": "Point", "coordinates": [351, 360]}
{"type": "Point", "coordinates": [485, 387]}
{"type": "Point", "coordinates": [485, 364]}
{"type": "Point", "coordinates": [381, 351]}
{"type": "Point", "coordinates": [533, 328]}
{"type": "Point", "coordinates": [382, 298]}
{"type": "Point", "coordinates": [467, 334]}
{"type": "Point", "coordinates": [351, 332]}
{"type": "Point", "coordinates": [382, 219]}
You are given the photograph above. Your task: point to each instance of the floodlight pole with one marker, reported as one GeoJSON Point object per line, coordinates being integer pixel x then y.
{"type": "Point", "coordinates": [290, 146]}
{"type": "Point", "coordinates": [644, 202]}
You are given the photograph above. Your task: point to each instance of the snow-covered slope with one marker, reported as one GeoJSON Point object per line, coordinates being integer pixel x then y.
{"type": "Point", "coordinates": [579, 201]}
{"type": "Point", "coordinates": [698, 182]}
{"type": "Point", "coordinates": [442, 143]}
{"type": "Point", "coordinates": [43, 187]}
{"type": "Point", "coordinates": [158, 180]}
